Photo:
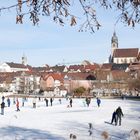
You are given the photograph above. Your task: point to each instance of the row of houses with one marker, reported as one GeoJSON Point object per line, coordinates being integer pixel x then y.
{"type": "Point", "coordinates": [15, 67]}
{"type": "Point", "coordinates": [123, 66]}
{"type": "Point", "coordinates": [106, 76]}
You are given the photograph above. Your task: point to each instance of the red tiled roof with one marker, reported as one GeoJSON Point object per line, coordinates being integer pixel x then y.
{"type": "Point", "coordinates": [119, 75]}
{"type": "Point", "coordinates": [134, 66]}
{"type": "Point", "coordinates": [83, 68]}
{"type": "Point", "coordinates": [78, 76]}
{"type": "Point", "coordinates": [16, 65]}
{"type": "Point", "coordinates": [56, 76]}
{"type": "Point", "coordinates": [129, 52]}
{"type": "Point", "coordinates": [9, 76]}
{"type": "Point", "coordinates": [90, 67]}
{"type": "Point", "coordinates": [6, 77]}
{"type": "Point", "coordinates": [102, 74]}
{"type": "Point", "coordinates": [106, 66]}
{"type": "Point", "coordinates": [76, 67]}
{"type": "Point", "coordinates": [40, 69]}
{"type": "Point", "coordinates": [58, 68]}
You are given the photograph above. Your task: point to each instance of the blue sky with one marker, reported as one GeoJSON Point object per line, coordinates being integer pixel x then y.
{"type": "Point", "coordinates": [50, 43]}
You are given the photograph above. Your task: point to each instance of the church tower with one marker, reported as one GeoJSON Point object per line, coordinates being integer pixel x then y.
{"type": "Point", "coordinates": [114, 43]}
{"type": "Point", "coordinates": [24, 60]}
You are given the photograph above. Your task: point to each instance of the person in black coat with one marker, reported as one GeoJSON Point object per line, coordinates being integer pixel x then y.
{"type": "Point", "coordinates": [3, 98]}
{"type": "Point", "coordinates": [2, 107]}
{"type": "Point", "coordinates": [114, 119]}
{"type": "Point", "coordinates": [46, 101]}
{"type": "Point", "coordinates": [51, 101]}
{"type": "Point", "coordinates": [88, 100]}
{"type": "Point", "coordinates": [70, 102]}
{"type": "Point", "coordinates": [119, 115]}
{"type": "Point", "coordinates": [8, 102]}
{"type": "Point", "coordinates": [60, 100]}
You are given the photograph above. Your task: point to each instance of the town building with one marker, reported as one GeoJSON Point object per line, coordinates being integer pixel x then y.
{"type": "Point", "coordinates": [52, 84]}
{"type": "Point", "coordinates": [12, 67]}
{"type": "Point", "coordinates": [122, 55]}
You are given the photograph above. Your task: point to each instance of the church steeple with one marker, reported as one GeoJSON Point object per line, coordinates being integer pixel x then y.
{"type": "Point", "coordinates": [24, 60]}
{"type": "Point", "coordinates": [114, 43]}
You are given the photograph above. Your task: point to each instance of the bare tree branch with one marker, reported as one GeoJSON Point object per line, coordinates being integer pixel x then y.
{"type": "Point", "coordinates": [129, 11]}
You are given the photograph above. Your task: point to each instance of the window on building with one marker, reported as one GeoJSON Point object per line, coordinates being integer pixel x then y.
{"type": "Point", "coordinates": [125, 60]}
{"type": "Point", "coordinates": [117, 61]}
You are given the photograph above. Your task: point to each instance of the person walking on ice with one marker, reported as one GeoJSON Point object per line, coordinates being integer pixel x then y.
{"type": "Point", "coordinates": [70, 102]}
{"type": "Point", "coordinates": [2, 107]}
{"type": "Point", "coordinates": [51, 101]}
{"type": "Point", "coordinates": [98, 101]}
{"type": "Point", "coordinates": [114, 119]}
{"type": "Point", "coordinates": [60, 100]}
{"type": "Point", "coordinates": [23, 101]}
{"type": "Point", "coordinates": [119, 115]}
{"type": "Point", "coordinates": [34, 102]}
{"type": "Point", "coordinates": [8, 102]}
{"type": "Point", "coordinates": [46, 101]}
{"type": "Point", "coordinates": [17, 105]}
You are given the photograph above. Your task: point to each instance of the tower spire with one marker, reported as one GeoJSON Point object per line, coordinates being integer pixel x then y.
{"type": "Point", "coordinates": [114, 42]}
{"type": "Point", "coordinates": [24, 60]}
{"type": "Point", "coordinates": [114, 45]}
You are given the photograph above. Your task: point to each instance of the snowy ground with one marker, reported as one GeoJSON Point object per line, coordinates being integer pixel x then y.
{"type": "Point", "coordinates": [58, 122]}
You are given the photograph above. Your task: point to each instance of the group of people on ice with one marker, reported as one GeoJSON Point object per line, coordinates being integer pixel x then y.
{"type": "Point", "coordinates": [8, 104]}
{"type": "Point", "coordinates": [117, 116]}
{"type": "Point", "coordinates": [45, 99]}
{"type": "Point", "coordinates": [88, 101]}
{"type": "Point", "coordinates": [16, 102]}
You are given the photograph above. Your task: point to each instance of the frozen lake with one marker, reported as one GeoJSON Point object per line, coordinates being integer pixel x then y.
{"type": "Point", "coordinates": [57, 122]}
